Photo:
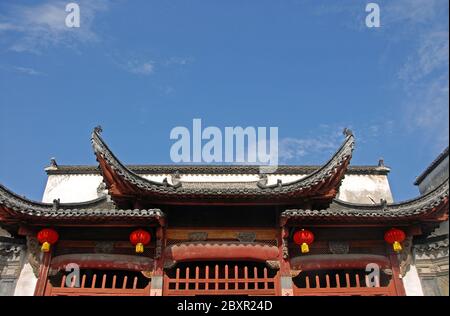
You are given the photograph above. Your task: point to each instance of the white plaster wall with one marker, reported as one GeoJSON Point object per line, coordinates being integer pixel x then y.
{"type": "Point", "coordinates": [411, 282]}
{"type": "Point", "coordinates": [71, 188]}
{"type": "Point", "coordinates": [354, 188]}
{"type": "Point", "coordinates": [271, 179]}
{"type": "Point", "coordinates": [26, 282]}
{"type": "Point", "coordinates": [365, 189]}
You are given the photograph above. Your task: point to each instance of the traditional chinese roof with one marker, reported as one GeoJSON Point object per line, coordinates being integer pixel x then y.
{"type": "Point", "coordinates": [125, 185]}
{"type": "Point", "coordinates": [15, 210]}
{"type": "Point", "coordinates": [432, 166]}
{"type": "Point", "coordinates": [431, 206]}
{"type": "Point", "coordinates": [213, 169]}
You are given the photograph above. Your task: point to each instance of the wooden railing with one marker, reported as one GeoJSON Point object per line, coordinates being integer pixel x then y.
{"type": "Point", "coordinates": [341, 284]}
{"type": "Point", "coordinates": [221, 279]}
{"type": "Point", "coordinates": [105, 284]}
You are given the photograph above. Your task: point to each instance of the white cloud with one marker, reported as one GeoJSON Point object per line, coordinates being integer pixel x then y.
{"type": "Point", "coordinates": [22, 70]}
{"type": "Point", "coordinates": [311, 147]}
{"type": "Point", "coordinates": [412, 12]}
{"type": "Point", "coordinates": [34, 28]}
{"type": "Point", "coordinates": [178, 61]}
{"type": "Point", "coordinates": [139, 68]}
{"type": "Point", "coordinates": [424, 74]}
{"type": "Point", "coordinates": [431, 55]}
{"type": "Point", "coordinates": [27, 71]}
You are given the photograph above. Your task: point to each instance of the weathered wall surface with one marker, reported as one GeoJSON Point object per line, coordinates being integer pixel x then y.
{"type": "Point", "coordinates": [71, 188]}
{"type": "Point", "coordinates": [431, 255]}
{"type": "Point", "coordinates": [27, 281]}
{"type": "Point", "coordinates": [368, 189]}
{"type": "Point", "coordinates": [12, 254]}
{"type": "Point", "coordinates": [435, 177]}
{"type": "Point", "coordinates": [411, 282]}
{"type": "Point", "coordinates": [83, 187]}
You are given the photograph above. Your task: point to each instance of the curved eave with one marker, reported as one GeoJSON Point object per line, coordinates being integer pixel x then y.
{"type": "Point", "coordinates": [323, 183]}
{"type": "Point", "coordinates": [13, 200]}
{"type": "Point", "coordinates": [432, 206]}
{"type": "Point", "coordinates": [432, 166]}
{"type": "Point", "coordinates": [15, 209]}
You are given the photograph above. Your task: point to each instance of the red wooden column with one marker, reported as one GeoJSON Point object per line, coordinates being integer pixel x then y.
{"type": "Point", "coordinates": [43, 274]}
{"type": "Point", "coordinates": [285, 267]}
{"type": "Point", "coordinates": [158, 272]}
{"type": "Point", "coordinates": [396, 278]}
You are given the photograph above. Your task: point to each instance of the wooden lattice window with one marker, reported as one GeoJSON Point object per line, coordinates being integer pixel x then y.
{"type": "Point", "coordinates": [342, 282]}
{"type": "Point", "coordinates": [99, 282]}
{"type": "Point", "coordinates": [212, 278]}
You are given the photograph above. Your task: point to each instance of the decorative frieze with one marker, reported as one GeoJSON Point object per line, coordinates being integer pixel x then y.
{"type": "Point", "coordinates": [338, 247]}
{"type": "Point", "coordinates": [246, 236]}
{"type": "Point", "coordinates": [197, 236]}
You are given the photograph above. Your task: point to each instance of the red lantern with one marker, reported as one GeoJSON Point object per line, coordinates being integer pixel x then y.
{"type": "Point", "coordinates": [47, 237]}
{"type": "Point", "coordinates": [140, 238]}
{"type": "Point", "coordinates": [395, 236]}
{"type": "Point", "coordinates": [304, 238]}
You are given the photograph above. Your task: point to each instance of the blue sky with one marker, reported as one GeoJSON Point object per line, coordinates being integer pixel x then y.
{"type": "Point", "coordinates": [140, 68]}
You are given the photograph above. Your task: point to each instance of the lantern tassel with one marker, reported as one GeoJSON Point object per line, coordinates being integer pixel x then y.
{"type": "Point", "coordinates": [397, 246]}
{"type": "Point", "coordinates": [305, 248]}
{"type": "Point", "coordinates": [139, 247]}
{"type": "Point", "coordinates": [45, 247]}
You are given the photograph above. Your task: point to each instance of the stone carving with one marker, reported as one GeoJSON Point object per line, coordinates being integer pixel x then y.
{"type": "Point", "coordinates": [246, 236]}
{"type": "Point", "coordinates": [101, 189]}
{"type": "Point", "coordinates": [405, 257]}
{"type": "Point", "coordinates": [176, 179]}
{"type": "Point", "coordinates": [53, 163]}
{"type": "Point", "coordinates": [147, 274]}
{"type": "Point", "coordinates": [198, 236]}
{"type": "Point", "coordinates": [98, 129]}
{"type": "Point", "coordinates": [387, 271]}
{"type": "Point", "coordinates": [338, 247]}
{"type": "Point", "coordinates": [285, 248]}
{"type": "Point", "coordinates": [273, 264]}
{"type": "Point", "coordinates": [284, 241]}
{"type": "Point", "coordinates": [168, 264]}
{"type": "Point", "coordinates": [432, 250]}
{"type": "Point", "coordinates": [104, 247]}
{"type": "Point", "coordinates": [263, 180]}
{"type": "Point", "coordinates": [56, 203]}
{"type": "Point", "coordinates": [34, 254]}
{"type": "Point", "coordinates": [347, 132]}
{"type": "Point", "coordinates": [158, 249]}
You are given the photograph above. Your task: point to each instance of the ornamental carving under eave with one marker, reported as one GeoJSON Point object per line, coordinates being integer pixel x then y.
{"type": "Point", "coordinates": [158, 248]}
{"type": "Point", "coordinates": [405, 258]}
{"type": "Point", "coordinates": [198, 236]}
{"type": "Point", "coordinates": [273, 264]}
{"type": "Point", "coordinates": [34, 254]}
{"type": "Point", "coordinates": [246, 236]}
{"type": "Point", "coordinates": [338, 247]}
